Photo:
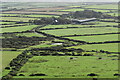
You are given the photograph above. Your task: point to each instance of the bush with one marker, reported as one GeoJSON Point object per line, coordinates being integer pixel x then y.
{"type": "Point", "coordinates": [88, 55]}
{"type": "Point", "coordinates": [92, 74]}
{"type": "Point", "coordinates": [7, 68]}
{"type": "Point", "coordinates": [21, 75]}
{"type": "Point", "coordinates": [38, 74]}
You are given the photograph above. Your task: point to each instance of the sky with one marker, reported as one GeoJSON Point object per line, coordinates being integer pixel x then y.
{"type": "Point", "coordinates": [60, 0]}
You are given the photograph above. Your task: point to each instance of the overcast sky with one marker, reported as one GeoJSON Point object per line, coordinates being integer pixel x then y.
{"type": "Point", "coordinates": [60, 0]}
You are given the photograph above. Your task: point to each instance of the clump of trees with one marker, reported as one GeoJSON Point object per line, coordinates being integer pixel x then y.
{"type": "Point", "coordinates": [51, 20]}
{"type": "Point", "coordinates": [23, 41]}
{"type": "Point", "coordinates": [85, 14]}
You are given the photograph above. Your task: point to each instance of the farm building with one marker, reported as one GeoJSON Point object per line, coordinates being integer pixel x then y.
{"type": "Point", "coordinates": [77, 21]}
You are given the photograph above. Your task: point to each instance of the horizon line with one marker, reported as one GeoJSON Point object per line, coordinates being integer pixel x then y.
{"type": "Point", "coordinates": [56, 1]}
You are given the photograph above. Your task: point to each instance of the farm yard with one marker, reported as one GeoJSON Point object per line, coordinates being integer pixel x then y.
{"type": "Point", "coordinates": [40, 40]}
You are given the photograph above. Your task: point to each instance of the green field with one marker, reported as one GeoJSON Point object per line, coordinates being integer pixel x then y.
{"type": "Point", "coordinates": [7, 56]}
{"type": "Point", "coordinates": [14, 25]}
{"type": "Point", "coordinates": [96, 23]}
{"type": "Point", "coordinates": [41, 15]}
{"type": "Point", "coordinates": [113, 14]}
{"type": "Point", "coordinates": [81, 31]}
{"type": "Point", "coordinates": [7, 22]}
{"type": "Point", "coordinates": [111, 47]}
{"type": "Point", "coordinates": [17, 19]}
{"type": "Point", "coordinates": [26, 15]}
{"type": "Point", "coordinates": [63, 26]}
{"type": "Point", "coordinates": [18, 29]}
{"type": "Point", "coordinates": [103, 11]}
{"type": "Point", "coordinates": [107, 23]}
{"type": "Point", "coordinates": [80, 9]}
{"type": "Point", "coordinates": [10, 14]}
{"type": "Point", "coordinates": [72, 10]}
{"type": "Point", "coordinates": [106, 6]}
{"type": "Point", "coordinates": [29, 34]}
{"type": "Point", "coordinates": [79, 67]}
{"type": "Point", "coordinates": [97, 38]}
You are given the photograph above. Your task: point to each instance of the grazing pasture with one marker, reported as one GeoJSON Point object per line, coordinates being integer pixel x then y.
{"type": "Point", "coordinates": [30, 12]}
{"type": "Point", "coordinates": [80, 67]}
{"type": "Point", "coordinates": [17, 19]}
{"type": "Point", "coordinates": [62, 26]}
{"type": "Point", "coordinates": [13, 25]}
{"type": "Point", "coordinates": [94, 24]}
{"type": "Point", "coordinates": [18, 29]}
{"type": "Point", "coordinates": [96, 38]}
{"type": "Point", "coordinates": [10, 14]}
{"type": "Point", "coordinates": [81, 31]}
{"type": "Point", "coordinates": [103, 11]}
{"type": "Point", "coordinates": [72, 10]}
{"type": "Point", "coordinates": [7, 56]}
{"type": "Point", "coordinates": [27, 15]}
{"type": "Point", "coordinates": [104, 6]}
{"type": "Point", "coordinates": [111, 47]}
{"type": "Point", "coordinates": [81, 9]}
{"type": "Point", "coordinates": [29, 34]}
{"type": "Point", "coordinates": [6, 23]}
{"type": "Point", "coordinates": [47, 9]}
{"type": "Point", "coordinates": [41, 15]}
{"type": "Point", "coordinates": [113, 14]}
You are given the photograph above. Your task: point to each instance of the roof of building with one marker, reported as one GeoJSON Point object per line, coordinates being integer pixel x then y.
{"type": "Point", "coordinates": [84, 19]}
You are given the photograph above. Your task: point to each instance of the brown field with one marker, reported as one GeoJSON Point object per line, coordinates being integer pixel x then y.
{"type": "Point", "coordinates": [48, 9]}
{"type": "Point", "coordinates": [30, 12]}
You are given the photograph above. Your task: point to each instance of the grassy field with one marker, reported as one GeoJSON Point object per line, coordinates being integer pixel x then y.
{"type": "Point", "coordinates": [47, 9]}
{"type": "Point", "coordinates": [97, 38]}
{"type": "Point", "coordinates": [105, 23]}
{"type": "Point", "coordinates": [30, 12]}
{"type": "Point", "coordinates": [79, 67]}
{"type": "Point", "coordinates": [63, 26]}
{"type": "Point", "coordinates": [18, 29]}
{"type": "Point", "coordinates": [7, 56]}
{"type": "Point", "coordinates": [17, 19]}
{"type": "Point", "coordinates": [113, 14]}
{"type": "Point", "coordinates": [7, 23]}
{"type": "Point", "coordinates": [111, 47]}
{"type": "Point", "coordinates": [10, 14]}
{"type": "Point", "coordinates": [80, 9]}
{"type": "Point", "coordinates": [72, 10]}
{"type": "Point", "coordinates": [14, 25]}
{"type": "Point", "coordinates": [96, 23]}
{"type": "Point", "coordinates": [41, 16]}
{"type": "Point", "coordinates": [28, 15]}
{"type": "Point", "coordinates": [29, 34]}
{"type": "Point", "coordinates": [104, 6]}
{"type": "Point", "coordinates": [103, 11]}
{"type": "Point", "coordinates": [81, 31]}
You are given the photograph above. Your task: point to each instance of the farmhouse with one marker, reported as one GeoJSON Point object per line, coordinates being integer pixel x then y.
{"type": "Point", "coordinates": [77, 21]}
